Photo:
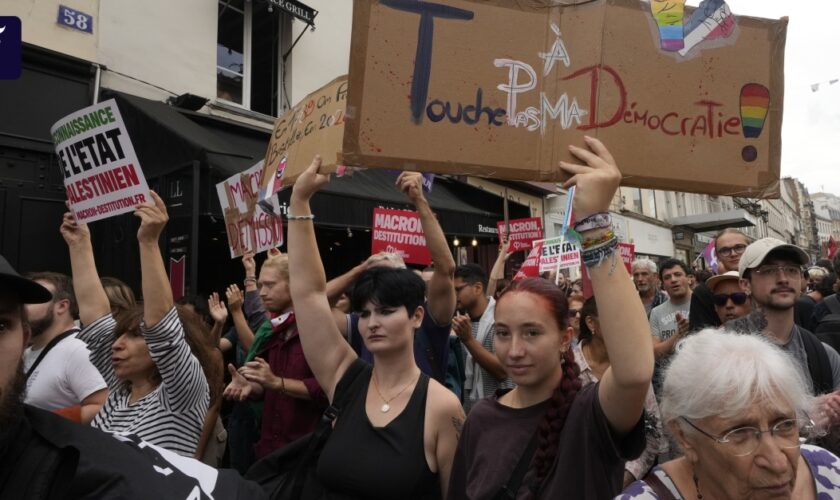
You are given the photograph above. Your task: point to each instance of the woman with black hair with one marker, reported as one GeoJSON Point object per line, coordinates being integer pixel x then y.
{"type": "Point", "coordinates": [593, 360]}
{"type": "Point", "coordinates": [549, 437]}
{"type": "Point", "coordinates": [397, 435]}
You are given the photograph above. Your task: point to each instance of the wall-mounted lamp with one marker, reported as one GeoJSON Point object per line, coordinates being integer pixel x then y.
{"type": "Point", "coordinates": [474, 242]}
{"type": "Point", "coordinates": [456, 242]}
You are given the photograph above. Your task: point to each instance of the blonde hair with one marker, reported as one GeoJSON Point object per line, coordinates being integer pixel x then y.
{"type": "Point", "coordinates": [280, 263]}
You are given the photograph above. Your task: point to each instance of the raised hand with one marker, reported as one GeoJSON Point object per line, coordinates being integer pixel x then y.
{"type": "Point", "coordinates": [238, 389]}
{"type": "Point", "coordinates": [153, 219]}
{"type": "Point", "coordinates": [249, 263]}
{"type": "Point", "coordinates": [596, 181]}
{"type": "Point", "coordinates": [462, 326]}
{"type": "Point", "coordinates": [235, 298]}
{"type": "Point", "coordinates": [73, 233]}
{"type": "Point", "coordinates": [411, 184]}
{"type": "Point", "coordinates": [310, 181]}
{"type": "Point", "coordinates": [218, 311]}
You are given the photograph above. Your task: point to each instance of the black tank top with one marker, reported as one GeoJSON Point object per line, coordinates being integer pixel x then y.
{"type": "Point", "coordinates": [363, 461]}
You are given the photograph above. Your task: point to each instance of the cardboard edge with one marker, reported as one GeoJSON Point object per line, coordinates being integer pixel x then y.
{"type": "Point", "coordinates": [356, 77]}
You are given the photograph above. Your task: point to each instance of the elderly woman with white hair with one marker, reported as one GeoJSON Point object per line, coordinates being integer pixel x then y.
{"type": "Point", "coordinates": [738, 407]}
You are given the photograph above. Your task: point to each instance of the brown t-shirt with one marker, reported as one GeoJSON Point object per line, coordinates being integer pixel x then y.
{"type": "Point", "coordinates": [589, 464]}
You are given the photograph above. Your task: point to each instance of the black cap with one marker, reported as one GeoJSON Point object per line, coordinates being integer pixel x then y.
{"type": "Point", "coordinates": [28, 291]}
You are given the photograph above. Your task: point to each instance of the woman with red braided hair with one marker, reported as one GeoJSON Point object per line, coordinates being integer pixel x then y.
{"type": "Point", "coordinates": [548, 437]}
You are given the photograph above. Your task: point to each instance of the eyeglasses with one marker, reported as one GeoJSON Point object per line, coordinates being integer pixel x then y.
{"type": "Point", "coordinates": [727, 251]}
{"type": "Point", "coordinates": [744, 441]}
{"type": "Point", "coordinates": [790, 271]}
{"type": "Point", "coordinates": [738, 298]}
{"type": "Point", "coordinates": [573, 312]}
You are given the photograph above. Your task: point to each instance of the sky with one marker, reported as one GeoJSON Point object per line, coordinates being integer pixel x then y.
{"type": "Point", "coordinates": [811, 124]}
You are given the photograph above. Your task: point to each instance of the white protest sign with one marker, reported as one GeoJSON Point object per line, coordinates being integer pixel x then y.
{"type": "Point", "coordinates": [248, 225]}
{"type": "Point", "coordinates": [558, 253]}
{"type": "Point", "coordinates": [102, 176]}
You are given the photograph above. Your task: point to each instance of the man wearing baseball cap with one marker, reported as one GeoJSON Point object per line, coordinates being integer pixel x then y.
{"type": "Point", "coordinates": [43, 455]}
{"type": "Point", "coordinates": [771, 272]}
{"type": "Point", "coordinates": [730, 300]}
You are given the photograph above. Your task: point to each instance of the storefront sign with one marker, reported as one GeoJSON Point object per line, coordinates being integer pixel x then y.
{"type": "Point", "coordinates": [75, 19]}
{"type": "Point", "coordinates": [523, 232]}
{"type": "Point", "coordinates": [102, 176]}
{"type": "Point", "coordinates": [400, 232]}
{"type": "Point", "coordinates": [249, 226]}
{"type": "Point", "coordinates": [297, 9]}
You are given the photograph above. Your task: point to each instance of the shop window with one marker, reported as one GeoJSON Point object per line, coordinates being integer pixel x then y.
{"type": "Point", "coordinates": [640, 201]}
{"type": "Point", "coordinates": [248, 57]}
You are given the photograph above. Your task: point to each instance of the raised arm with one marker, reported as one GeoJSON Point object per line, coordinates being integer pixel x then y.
{"type": "Point", "coordinates": [157, 294]}
{"type": "Point", "coordinates": [90, 295]}
{"type": "Point", "coordinates": [624, 385]}
{"type": "Point", "coordinates": [244, 333]}
{"type": "Point", "coordinates": [441, 292]}
{"type": "Point", "coordinates": [327, 354]}
{"type": "Point", "coordinates": [498, 271]}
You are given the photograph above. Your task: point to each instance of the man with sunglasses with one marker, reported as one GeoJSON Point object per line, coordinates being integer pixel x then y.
{"type": "Point", "coordinates": [730, 245]}
{"type": "Point", "coordinates": [771, 272]}
{"type": "Point", "coordinates": [731, 301]}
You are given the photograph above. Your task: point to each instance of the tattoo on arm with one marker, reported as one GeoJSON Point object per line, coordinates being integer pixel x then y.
{"type": "Point", "coordinates": [458, 423]}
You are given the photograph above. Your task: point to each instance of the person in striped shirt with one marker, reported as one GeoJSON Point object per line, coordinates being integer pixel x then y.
{"type": "Point", "coordinates": [151, 356]}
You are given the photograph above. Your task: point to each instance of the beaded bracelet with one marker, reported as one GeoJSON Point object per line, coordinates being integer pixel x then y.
{"type": "Point", "coordinates": [597, 220]}
{"type": "Point", "coordinates": [250, 278]}
{"type": "Point", "coordinates": [594, 256]}
{"type": "Point", "coordinates": [595, 242]}
{"type": "Point", "coordinates": [300, 217]}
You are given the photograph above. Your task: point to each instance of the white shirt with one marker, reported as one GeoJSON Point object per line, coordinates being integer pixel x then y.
{"type": "Point", "coordinates": [65, 377]}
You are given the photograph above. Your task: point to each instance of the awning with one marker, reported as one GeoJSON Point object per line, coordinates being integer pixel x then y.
{"type": "Point", "coordinates": [715, 221]}
{"type": "Point", "coordinates": [349, 202]}
{"type": "Point", "coordinates": [166, 138]}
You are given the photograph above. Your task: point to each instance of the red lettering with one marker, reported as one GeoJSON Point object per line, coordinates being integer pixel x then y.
{"type": "Point", "coordinates": [595, 72]}
{"type": "Point", "coordinates": [664, 121]}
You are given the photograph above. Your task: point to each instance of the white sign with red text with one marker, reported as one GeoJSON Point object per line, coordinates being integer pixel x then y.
{"type": "Point", "coordinates": [249, 226]}
{"type": "Point", "coordinates": [558, 253]}
{"type": "Point", "coordinates": [102, 176]}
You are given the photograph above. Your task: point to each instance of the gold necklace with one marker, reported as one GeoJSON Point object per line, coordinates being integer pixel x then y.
{"type": "Point", "coordinates": [386, 407]}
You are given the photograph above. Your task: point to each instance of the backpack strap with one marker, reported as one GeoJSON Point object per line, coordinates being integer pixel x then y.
{"type": "Point", "coordinates": [660, 488]}
{"type": "Point", "coordinates": [54, 342]}
{"type": "Point", "coordinates": [509, 490]}
{"type": "Point", "coordinates": [819, 365]}
{"type": "Point", "coordinates": [833, 303]}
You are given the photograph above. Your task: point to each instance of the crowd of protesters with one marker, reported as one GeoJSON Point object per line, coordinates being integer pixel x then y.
{"type": "Point", "coordinates": [667, 382]}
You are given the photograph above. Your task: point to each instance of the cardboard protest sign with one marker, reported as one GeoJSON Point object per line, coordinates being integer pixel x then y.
{"type": "Point", "coordinates": [400, 232]}
{"type": "Point", "coordinates": [686, 99]}
{"type": "Point", "coordinates": [249, 226]}
{"type": "Point", "coordinates": [102, 176]}
{"type": "Point", "coordinates": [558, 253]}
{"type": "Point", "coordinates": [313, 126]}
{"type": "Point", "coordinates": [523, 232]}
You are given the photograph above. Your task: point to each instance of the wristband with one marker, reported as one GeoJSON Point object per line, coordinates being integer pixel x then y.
{"type": "Point", "coordinates": [252, 279]}
{"type": "Point", "coordinates": [282, 385]}
{"type": "Point", "coordinates": [596, 242]}
{"type": "Point", "coordinates": [597, 220]}
{"type": "Point", "coordinates": [594, 256]}
{"type": "Point", "coordinates": [300, 217]}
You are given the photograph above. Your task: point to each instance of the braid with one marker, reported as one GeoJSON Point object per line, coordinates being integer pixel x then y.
{"type": "Point", "coordinates": [548, 433]}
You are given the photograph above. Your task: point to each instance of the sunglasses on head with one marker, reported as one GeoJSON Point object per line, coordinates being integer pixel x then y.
{"type": "Point", "coordinates": [738, 298]}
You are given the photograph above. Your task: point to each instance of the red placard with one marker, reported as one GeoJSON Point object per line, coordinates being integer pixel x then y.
{"type": "Point", "coordinates": [523, 232]}
{"type": "Point", "coordinates": [400, 232]}
{"type": "Point", "coordinates": [531, 267]}
{"type": "Point", "coordinates": [628, 253]}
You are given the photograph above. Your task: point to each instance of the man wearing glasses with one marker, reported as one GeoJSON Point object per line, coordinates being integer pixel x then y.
{"type": "Point", "coordinates": [731, 301]}
{"type": "Point", "coordinates": [730, 245]}
{"type": "Point", "coordinates": [771, 272]}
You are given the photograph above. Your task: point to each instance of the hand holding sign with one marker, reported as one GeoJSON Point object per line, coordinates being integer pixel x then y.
{"type": "Point", "coordinates": [73, 233]}
{"type": "Point", "coordinates": [153, 219]}
{"type": "Point", "coordinates": [309, 182]}
{"type": "Point", "coordinates": [596, 182]}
